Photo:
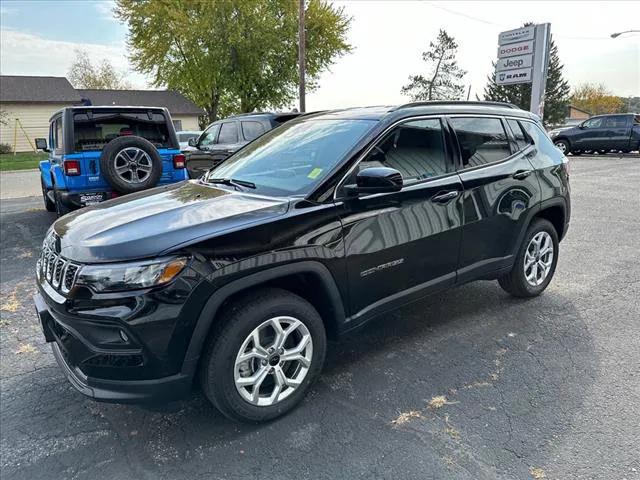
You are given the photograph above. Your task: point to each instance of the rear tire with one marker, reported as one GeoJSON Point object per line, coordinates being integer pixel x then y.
{"type": "Point", "coordinates": [49, 205]}
{"type": "Point", "coordinates": [222, 370]}
{"type": "Point", "coordinates": [61, 208]}
{"type": "Point", "coordinates": [521, 281]}
{"type": "Point", "coordinates": [563, 146]}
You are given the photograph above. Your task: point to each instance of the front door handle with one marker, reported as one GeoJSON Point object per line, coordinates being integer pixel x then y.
{"type": "Point", "coordinates": [444, 197]}
{"type": "Point", "coordinates": [522, 174]}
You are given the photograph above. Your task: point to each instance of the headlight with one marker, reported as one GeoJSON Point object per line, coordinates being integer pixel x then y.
{"type": "Point", "coordinates": [554, 133]}
{"type": "Point", "coordinates": [130, 276]}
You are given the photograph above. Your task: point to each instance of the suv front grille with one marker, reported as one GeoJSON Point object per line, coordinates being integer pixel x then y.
{"type": "Point", "coordinates": [59, 272]}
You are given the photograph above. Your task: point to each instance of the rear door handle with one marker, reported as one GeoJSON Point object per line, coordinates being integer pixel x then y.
{"type": "Point", "coordinates": [522, 174]}
{"type": "Point", "coordinates": [445, 197]}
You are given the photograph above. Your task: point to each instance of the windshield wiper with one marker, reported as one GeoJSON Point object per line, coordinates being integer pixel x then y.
{"type": "Point", "coordinates": [232, 182]}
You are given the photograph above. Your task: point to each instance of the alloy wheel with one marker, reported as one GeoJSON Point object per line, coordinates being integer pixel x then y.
{"type": "Point", "coordinates": [133, 165]}
{"type": "Point", "coordinates": [538, 258]}
{"type": "Point", "coordinates": [273, 361]}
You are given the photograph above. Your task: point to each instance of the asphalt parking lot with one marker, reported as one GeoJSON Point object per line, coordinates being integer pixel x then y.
{"type": "Point", "coordinates": [469, 384]}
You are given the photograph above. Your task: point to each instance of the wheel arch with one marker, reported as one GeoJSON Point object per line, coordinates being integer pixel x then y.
{"type": "Point", "coordinates": [556, 213]}
{"type": "Point", "coordinates": [310, 280]}
{"type": "Point", "coordinates": [564, 139]}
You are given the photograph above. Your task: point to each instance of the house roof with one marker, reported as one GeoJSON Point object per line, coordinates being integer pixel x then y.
{"type": "Point", "coordinates": [18, 88]}
{"type": "Point", "coordinates": [175, 102]}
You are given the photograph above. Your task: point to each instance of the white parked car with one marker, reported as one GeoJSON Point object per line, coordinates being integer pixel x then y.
{"type": "Point", "coordinates": [185, 135]}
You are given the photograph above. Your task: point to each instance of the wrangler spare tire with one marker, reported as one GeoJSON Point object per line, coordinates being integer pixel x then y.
{"type": "Point", "coordinates": [130, 164]}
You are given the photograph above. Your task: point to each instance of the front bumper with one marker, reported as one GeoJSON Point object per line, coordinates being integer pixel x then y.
{"type": "Point", "coordinates": [69, 345]}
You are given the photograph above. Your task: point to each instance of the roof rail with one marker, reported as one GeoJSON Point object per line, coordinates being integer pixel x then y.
{"type": "Point", "coordinates": [457, 102]}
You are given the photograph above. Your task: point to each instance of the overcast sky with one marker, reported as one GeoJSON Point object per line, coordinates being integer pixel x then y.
{"type": "Point", "coordinates": [39, 38]}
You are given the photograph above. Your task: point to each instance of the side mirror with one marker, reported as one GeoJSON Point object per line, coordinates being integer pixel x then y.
{"type": "Point", "coordinates": [582, 126]}
{"type": "Point", "coordinates": [41, 144]}
{"type": "Point", "coordinates": [375, 180]}
{"type": "Point", "coordinates": [191, 142]}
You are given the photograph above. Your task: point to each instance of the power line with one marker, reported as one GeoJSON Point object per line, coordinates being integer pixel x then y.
{"type": "Point", "coordinates": [502, 25]}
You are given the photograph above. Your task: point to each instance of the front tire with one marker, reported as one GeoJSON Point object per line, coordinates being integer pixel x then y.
{"type": "Point", "coordinates": [535, 263]}
{"type": "Point", "coordinates": [268, 349]}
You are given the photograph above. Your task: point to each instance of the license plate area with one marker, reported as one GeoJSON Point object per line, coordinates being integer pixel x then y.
{"type": "Point", "coordinates": [87, 199]}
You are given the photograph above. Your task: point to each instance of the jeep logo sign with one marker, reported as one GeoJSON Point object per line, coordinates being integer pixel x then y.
{"type": "Point", "coordinates": [514, 49]}
{"type": "Point", "coordinates": [513, 63]}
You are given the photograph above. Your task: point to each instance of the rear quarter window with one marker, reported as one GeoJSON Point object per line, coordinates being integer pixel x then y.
{"type": "Point", "coordinates": [92, 131]}
{"type": "Point", "coordinates": [251, 130]}
{"type": "Point", "coordinates": [547, 154]}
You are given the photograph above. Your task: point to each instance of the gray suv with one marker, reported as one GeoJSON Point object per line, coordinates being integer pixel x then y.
{"type": "Point", "coordinates": [225, 137]}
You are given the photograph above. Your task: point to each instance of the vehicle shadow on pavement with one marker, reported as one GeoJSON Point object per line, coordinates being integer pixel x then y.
{"type": "Point", "coordinates": [472, 383]}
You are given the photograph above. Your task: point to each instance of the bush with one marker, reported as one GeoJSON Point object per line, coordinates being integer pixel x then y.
{"type": "Point", "coordinates": [5, 148]}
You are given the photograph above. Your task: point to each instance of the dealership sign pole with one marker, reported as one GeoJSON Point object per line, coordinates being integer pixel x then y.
{"type": "Point", "coordinates": [523, 57]}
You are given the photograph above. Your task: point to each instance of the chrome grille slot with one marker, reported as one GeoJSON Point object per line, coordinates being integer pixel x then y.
{"type": "Point", "coordinates": [69, 277]}
{"type": "Point", "coordinates": [58, 272]}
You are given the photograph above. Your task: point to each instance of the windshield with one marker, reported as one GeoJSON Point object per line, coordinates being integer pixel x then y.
{"type": "Point", "coordinates": [293, 158]}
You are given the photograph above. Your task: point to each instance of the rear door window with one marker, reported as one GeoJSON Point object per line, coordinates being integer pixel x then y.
{"type": "Point", "coordinates": [251, 130]}
{"type": "Point", "coordinates": [482, 140]}
{"type": "Point", "coordinates": [617, 121]}
{"type": "Point", "coordinates": [58, 138]}
{"type": "Point", "coordinates": [228, 133]}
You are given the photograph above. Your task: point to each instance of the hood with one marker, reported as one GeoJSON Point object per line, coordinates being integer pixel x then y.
{"type": "Point", "coordinates": [152, 222]}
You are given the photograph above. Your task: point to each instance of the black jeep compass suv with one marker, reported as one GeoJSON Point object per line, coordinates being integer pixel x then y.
{"type": "Point", "coordinates": [238, 278]}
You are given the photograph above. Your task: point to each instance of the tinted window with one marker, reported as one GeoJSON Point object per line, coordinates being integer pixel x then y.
{"type": "Point", "coordinates": [58, 135]}
{"type": "Point", "coordinates": [251, 130]}
{"type": "Point", "coordinates": [593, 123]}
{"type": "Point", "coordinates": [228, 133]}
{"type": "Point", "coordinates": [619, 121]}
{"type": "Point", "coordinates": [415, 149]}
{"type": "Point", "coordinates": [294, 157]}
{"type": "Point", "coordinates": [482, 140]}
{"type": "Point", "coordinates": [94, 131]}
{"type": "Point", "coordinates": [521, 139]}
{"type": "Point", "coordinates": [209, 136]}
{"type": "Point", "coordinates": [184, 137]}
{"type": "Point", "coordinates": [547, 153]}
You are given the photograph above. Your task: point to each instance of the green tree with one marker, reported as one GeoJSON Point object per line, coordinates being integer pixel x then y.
{"type": "Point", "coordinates": [232, 56]}
{"type": "Point", "coordinates": [556, 90]}
{"type": "Point", "coordinates": [84, 74]}
{"type": "Point", "coordinates": [596, 99]}
{"type": "Point", "coordinates": [443, 80]}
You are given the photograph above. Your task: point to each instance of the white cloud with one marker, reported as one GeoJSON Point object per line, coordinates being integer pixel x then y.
{"type": "Point", "coordinates": [27, 54]}
{"type": "Point", "coordinates": [105, 9]}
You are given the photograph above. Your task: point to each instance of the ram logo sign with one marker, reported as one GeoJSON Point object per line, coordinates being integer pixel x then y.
{"type": "Point", "coordinates": [514, 76]}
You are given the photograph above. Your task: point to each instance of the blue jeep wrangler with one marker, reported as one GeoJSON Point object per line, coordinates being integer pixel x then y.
{"type": "Point", "coordinates": [98, 153]}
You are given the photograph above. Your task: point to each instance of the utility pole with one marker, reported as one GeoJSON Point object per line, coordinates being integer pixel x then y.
{"type": "Point", "coordinates": [301, 60]}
